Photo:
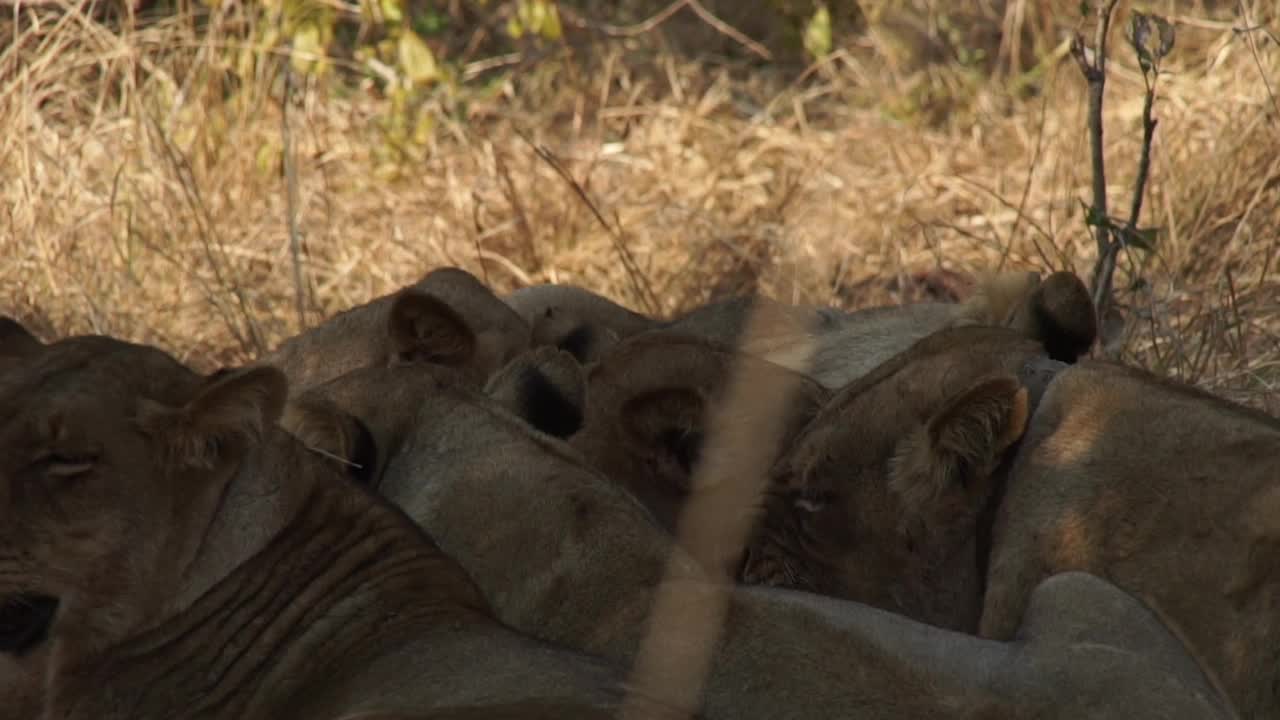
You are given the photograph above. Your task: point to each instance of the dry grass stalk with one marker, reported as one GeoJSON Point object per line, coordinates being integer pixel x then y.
{"type": "Point", "coordinates": [683, 627]}
{"type": "Point", "coordinates": [291, 207]}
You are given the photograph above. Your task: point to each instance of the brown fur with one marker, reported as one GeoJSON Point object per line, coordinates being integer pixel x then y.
{"type": "Point", "coordinates": [448, 317]}
{"type": "Point", "coordinates": [576, 320]}
{"type": "Point", "coordinates": [563, 554]}
{"type": "Point", "coordinates": [545, 386]}
{"type": "Point", "coordinates": [1168, 491]}
{"type": "Point", "coordinates": [15, 340]}
{"type": "Point", "coordinates": [880, 498]}
{"type": "Point", "coordinates": [725, 321]}
{"type": "Point", "coordinates": [207, 565]}
{"type": "Point", "coordinates": [515, 711]}
{"type": "Point", "coordinates": [648, 405]}
{"type": "Point", "coordinates": [1057, 312]}
{"type": "Point", "coordinates": [966, 437]}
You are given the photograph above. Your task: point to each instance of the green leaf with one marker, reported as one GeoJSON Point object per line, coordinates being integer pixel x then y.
{"type": "Point", "coordinates": [308, 47]}
{"type": "Point", "coordinates": [416, 59]}
{"type": "Point", "coordinates": [392, 12]}
{"type": "Point", "coordinates": [514, 28]}
{"type": "Point", "coordinates": [1141, 238]}
{"type": "Point", "coordinates": [1094, 217]}
{"type": "Point", "coordinates": [535, 17]}
{"type": "Point", "coordinates": [429, 21]}
{"type": "Point", "coordinates": [551, 28]}
{"type": "Point", "coordinates": [423, 129]}
{"type": "Point", "coordinates": [817, 33]}
{"type": "Point", "coordinates": [267, 159]}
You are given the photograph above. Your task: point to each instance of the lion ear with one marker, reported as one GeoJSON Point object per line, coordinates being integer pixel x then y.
{"type": "Point", "coordinates": [229, 413]}
{"type": "Point", "coordinates": [668, 423]}
{"type": "Point", "coordinates": [425, 328]}
{"type": "Point", "coordinates": [16, 340]}
{"type": "Point", "coordinates": [323, 426]}
{"type": "Point", "coordinates": [951, 458]}
{"type": "Point", "coordinates": [585, 341]}
{"type": "Point", "coordinates": [547, 387]}
{"type": "Point", "coordinates": [1060, 313]}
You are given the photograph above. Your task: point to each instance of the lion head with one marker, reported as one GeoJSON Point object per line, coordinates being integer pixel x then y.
{"type": "Point", "coordinates": [114, 457]}
{"type": "Point", "coordinates": [447, 318]}
{"type": "Point", "coordinates": [881, 496]}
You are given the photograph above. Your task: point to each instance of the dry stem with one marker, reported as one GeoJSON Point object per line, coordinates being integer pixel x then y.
{"type": "Point", "coordinates": [1095, 74]}
{"type": "Point", "coordinates": [291, 197]}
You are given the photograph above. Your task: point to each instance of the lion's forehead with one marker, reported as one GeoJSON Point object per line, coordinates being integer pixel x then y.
{"type": "Point", "coordinates": [94, 370]}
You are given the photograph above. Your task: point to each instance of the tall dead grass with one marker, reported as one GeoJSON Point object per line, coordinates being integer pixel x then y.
{"type": "Point", "coordinates": [144, 197]}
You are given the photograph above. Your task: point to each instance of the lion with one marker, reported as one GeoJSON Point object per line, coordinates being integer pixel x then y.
{"type": "Point", "coordinates": [546, 386]}
{"type": "Point", "coordinates": [448, 317]}
{"type": "Point", "coordinates": [648, 397]}
{"type": "Point", "coordinates": [1168, 491]}
{"type": "Point", "coordinates": [172, 552]}
{"type": "Point", "coordinates": [647, 405]}
{"type": "Point", "coordinates": [850, 511]}
{"type": "Point", "coordinates": [564, 554]}
{"type": "Point", "coordinates": [981, 467]}
{"type": "Point", "coordinates": [1057, 311]}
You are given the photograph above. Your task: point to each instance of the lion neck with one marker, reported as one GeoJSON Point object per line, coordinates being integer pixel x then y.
{"type": "Point", "coordinates": [300, 574]}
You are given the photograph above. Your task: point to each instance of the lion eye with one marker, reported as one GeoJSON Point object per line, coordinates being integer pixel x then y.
{"type": "Point", "coordinates": [809, 504]}
{"type": "Point", "coordinates": [61, 465]}
{"type": "Point", "coordinates": [813, 501]}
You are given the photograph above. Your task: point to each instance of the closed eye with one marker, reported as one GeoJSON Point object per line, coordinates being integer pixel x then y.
{"type": "Point", "coordinates": [809, 505]}
{"type": "Point", "coordinates": [66, 465]}
{"type": "Point", "coordinates": [813, 500]}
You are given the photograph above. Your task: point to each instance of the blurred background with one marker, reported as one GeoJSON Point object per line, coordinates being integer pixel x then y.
{"type": "Point", "coordinates": [210, 175]}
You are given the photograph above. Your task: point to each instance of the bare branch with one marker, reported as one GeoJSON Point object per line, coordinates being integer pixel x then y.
{"type": "Point", "coordinates": [1144, 160]}
{"type": "Point", "coordinates": [726, 29]}
{"type": "Point", "coordinates": [1093, 65]}
{"type": "Point", "coordinates": [1101, 32]}
{"type": "Point", "coordinates": [667, 13]}
{"type": "Point", "coordinates": [635, 30]}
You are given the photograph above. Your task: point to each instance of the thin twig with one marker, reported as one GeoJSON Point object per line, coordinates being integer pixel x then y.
{"type": "Point", "coordinates": [628, 31]}
{"type": "Point", "coordinates": [727, 29]}
{"type": "Point", "coordinates": [1144, 159]}
{"type": "Point", "coordinates": [522, 217]}
{"type": "Point", "coordinates": [291, 198]}
{"type": "Point", "coordinates": [1104, 276]}
{"type": "Point", "coordinates": [1247, 31]}
{"type": "Point", "coordinates": [181, 167]}
{"type": "Point", "coordinates": [1095, 73]}
{"type": "Point", "coordinates": [639, 283]}
{"type": "Point", "coordinates": [1021, 210]}
{"type": "Point", "coordinates": [651, 23]}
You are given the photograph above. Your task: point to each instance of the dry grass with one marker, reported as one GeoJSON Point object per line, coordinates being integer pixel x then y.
{"type": "Point", "coordinates": [144, 199]}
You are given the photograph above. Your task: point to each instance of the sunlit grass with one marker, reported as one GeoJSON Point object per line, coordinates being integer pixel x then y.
{"type": "Point", "coordinates": [144, 193]}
